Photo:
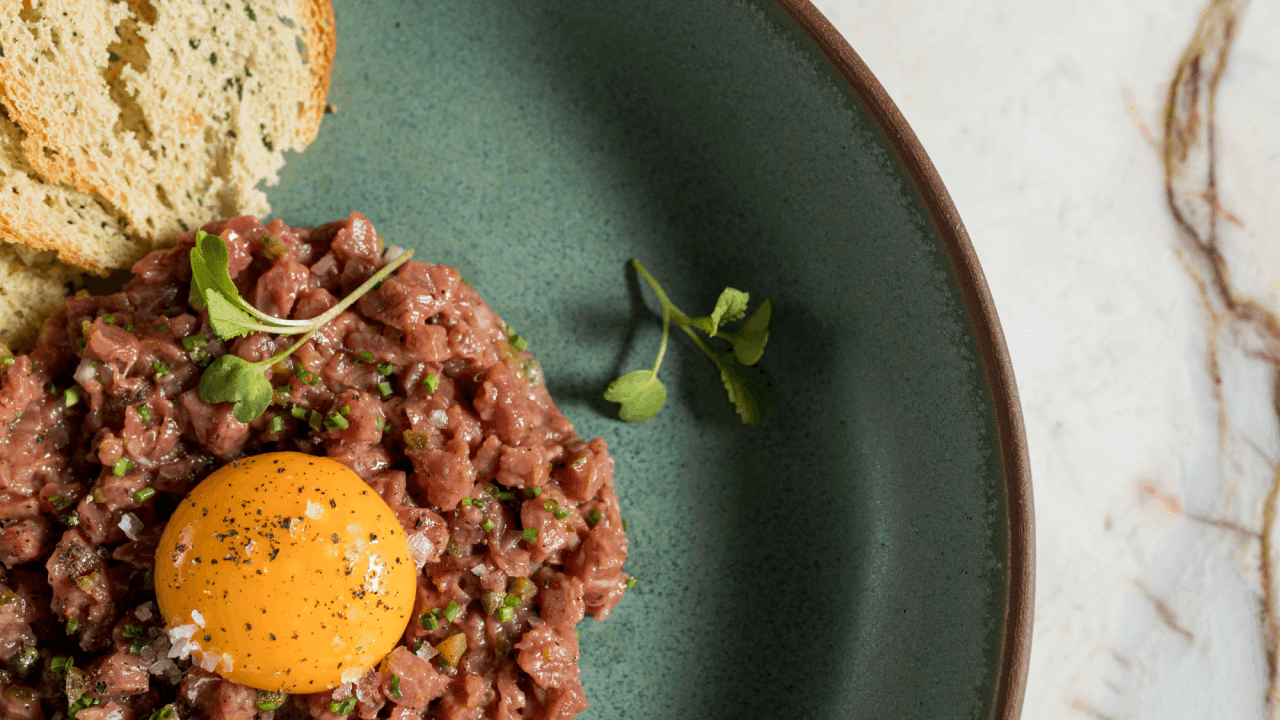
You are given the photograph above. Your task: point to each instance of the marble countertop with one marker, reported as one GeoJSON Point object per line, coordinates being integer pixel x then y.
{"type": "Point", "coordinates": [1141, 304]}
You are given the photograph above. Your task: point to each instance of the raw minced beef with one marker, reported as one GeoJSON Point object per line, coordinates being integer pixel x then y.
{"type": "Point", "coordinates": [102, 431]}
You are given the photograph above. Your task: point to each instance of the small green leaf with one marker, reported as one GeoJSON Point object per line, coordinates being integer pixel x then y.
{"type": "Point", "coordinates": [210, 272]}
{"type": "Point", "coordinates": [228, 320]}
{"type": "Point", "coordinates": [730, 306]}
{"type": "Point", "coordinates": [232, 378]}
{"type": "Point", "coordinates": [748, 388]}
{"type": "Point", "coordinates": [640, 394]}
{"type": "Point", "coordinates": [749, 341]}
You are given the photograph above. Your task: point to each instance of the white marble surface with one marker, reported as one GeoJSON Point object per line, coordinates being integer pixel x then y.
{"type": "Point", "coordinates": [1045, 122]}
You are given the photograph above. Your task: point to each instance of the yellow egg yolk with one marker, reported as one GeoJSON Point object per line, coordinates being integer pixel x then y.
{"type": "Point", "coordinates": [288, 570]}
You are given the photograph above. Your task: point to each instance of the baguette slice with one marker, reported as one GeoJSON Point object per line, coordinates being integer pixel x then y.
{"type": "Point", "coordinates": [166, 113]}
{"type": "Point", "coordinates": [33, 286]}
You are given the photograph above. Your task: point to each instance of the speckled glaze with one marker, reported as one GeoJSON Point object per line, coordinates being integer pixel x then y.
{"type": "Point", "coordinates": [866, 552]}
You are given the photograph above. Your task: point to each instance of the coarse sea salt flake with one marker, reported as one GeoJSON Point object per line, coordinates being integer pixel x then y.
{"type": "Point", "coordinates": [182, 632]}
{"type": "Point", "coordinates": [195, 615]}
{"type": "Point", "coordinates": [479, 569]}
{"type": "Point", "coordinates": [420, 549]}
{"type": "Point", "coordinates": [314, 510]}
{"type": "Point", "coordinates": [351, 675]}
{"type": "Point", "coordinates": [131, 525]}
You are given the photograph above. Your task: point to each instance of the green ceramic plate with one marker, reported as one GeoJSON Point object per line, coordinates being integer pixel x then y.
{"type": "Point", "coordinates": [866, 553]}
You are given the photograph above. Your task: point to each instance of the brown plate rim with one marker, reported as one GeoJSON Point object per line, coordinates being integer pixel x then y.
{"type": "Point", "coordinates": [1015, 646]}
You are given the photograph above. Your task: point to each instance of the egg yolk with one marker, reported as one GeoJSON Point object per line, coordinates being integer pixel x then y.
{"type": "Point", "coordinates": [288, 570]}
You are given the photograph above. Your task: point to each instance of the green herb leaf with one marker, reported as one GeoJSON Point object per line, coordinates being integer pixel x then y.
{"type": "Point", "coordinates": [749, 341]}
{"type": "Point", "coordinates": [210, 263]}
{"type": "Point", "coordinates": [640, 393]}
{"type": "Point", "coordinates": [748, 388]}
{"type": "Point", "coordinates": [730, 306]}
{"type": "Point", "coordinates": [232, 378]}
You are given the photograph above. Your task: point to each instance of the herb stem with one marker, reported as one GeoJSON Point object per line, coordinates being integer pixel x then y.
{"type": "Point", "coordinates": [667, 305]}
{"type": "Point", "coordinates": [701, 345]}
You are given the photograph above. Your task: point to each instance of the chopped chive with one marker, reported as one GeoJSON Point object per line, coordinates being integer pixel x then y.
{"type": "Point", "coordinates": [53, 389]}
{"type": "Point", "coordinates": [345, 410]}
{"type": "Point", "coordinates": [135, 648]}
{"type": "Point", "coordinates": [511, 601]}
{"type": "Point", "coordinates": [530, 534]}
{"type": "Point", "coordinates": [478, 502]}
{"type": "Point", "coordinates": [6, 361]}
{"type": "Point", "coordinates": [516, 341]}
{"type": "Point", "coordinates": [506, 614]}
{"type": "Point", "coordinates": [624, 524]}
{"type": "Point", "coordinates": [276, 424]}
{"type": "Point", "coordinates": [128, 327]}
{"type": "Point", "coordinates": [122, 467]}
{"type": "Point", "coordinates": [386, 368]}
{"type": "Point", "coordinates": [71, 396]}
{"type": "Point", "coordinates": [286, 389]}
{"type": "Point", "coordinates": [60, 502]}
{"type": "Point", "coordinates": [144, 495]}
{"type": "Point", "coordinates": [61, 664]}
{"type": "Point", "coordinates": [465, 502]}
{"type": "Point", "coordinates": [631, 582]}
{"type": "Point", "coordinates": [162, 368]}
{"type": "Point", "coordinates": [428, 621]}
{"type": "Point", "coordinates": [431, 382]}
{"type": "Point", "coordinates": [71, 520]}
{"type": "Point", "coordinates": [451, 611]}
{"type": "Point", "coordinates": [298, 412]}
{"type": "Point", "coordinates": [144, 412]}
{"type": "Point", "coordinates": [385, 389]}
{"type": "Point", "coordinates": [562, 513]}
{"type": "Point", "coordinates": [595, 516]}
{"type": "Point", "coordinates": [132, 631]}
{"type": "Point", "coordinates": [532, 492]}
{"type": "Point", "coordinates": [334, 421]}
{"type": "Point", "coordinates": [193, 342]}
{"type": "Point", "coordinates": [365, 356]}
{"type": "Point", "coordinates": [394, 685]}
{"type": "Point", "coordinates": [550, 505]}
{"type": "Point", "coordinates": [487, 526]}
{"type": "Point", "coordinates": [109, 319]}
{"type": "Point", "coordinates": [167, 713]}
{"type": "Point", "coordinates": [80, 344]}
{"type": "Point", "coordinates": [316, 420]}
{"type": "Point", "coordinates": [343, 708]}
{"type": "Point", "coordinates": [72, 625]}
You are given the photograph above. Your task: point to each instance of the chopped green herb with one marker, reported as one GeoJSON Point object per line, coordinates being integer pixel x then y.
{"type": "Point", "coordinates": [487, 526]}
{"type": "Point", "coordinates": [6, 361]}
{"type": "Point", "coordinates": [135, 647]}
{"type": "Point", "coordinates": [624, 524]}
{"type": "Point", "coordinates": [109, 319]}
{"type": "Point", "coordinates": [144, 495]}
{"type": "Point", "coordinates": [162, 368]}
{"type": "Point", "coordinates": [193, 342]}
{"type": "Point", "coordinates": [298, 412]}
{"type": "Point", "coordinates": [530, 534]}
{"type": "Point", "coordinates": [550, 505]}
{"type": "Point", "coordinates": [595, 517]}
{"type": "Point", "coordinates": [562, 513]}
{"type": "Point", "coordinates": [128, 326]}
{"type": "Point", "coordinates": [631, 582]}
{"type": "Point", "coordinates": [384, 388]}
{"type": "Point", "coordinates": [431, 382]}
{"type": "Point", "coordinates": [122, 467]}
{"type": "Point", "coordinates": [276, 424]}
{"type": "Point", "coordinates": [79, 346]}
{"type": "Point", "coordinates": [532, 492]}
{"type": "Point", "coordinates": [144, 413]}
{"type": "Point", "coordinates": [316, 420]}
{"type": "Point", "coordinates": [334, 421]}
{"type": "Point", "coordinates": [511, 601]}
{"type": "Point", "coordinates": [167, 713]}
{"type": "Point", "coordinates": [394, 686]}
{"type": "Point", "coordinates": [232, 378]}
{"type": "Point", "coordinates": [641, 395]}
{"type": "Point", "coordinates": [451, 611]}
{"type": "Point", "coordinates": [506, 614]}
{"type": "Point", "coordinates": [478, 502]}
{"type": "Point", "coordinates": [61, 664]}
{"type": "Point", "coordinates": [71, 396]}
{"type": "Point", "coordinates": [84, 703]}
{"type": "Point", "coordinates": [343, 708]}
{"type": "Point", "coordinates": [465, 502]}
{"type": "Point", "coordinates": [517, 342]}
{"type": "Point", "coordinates": [71, 520]}
{"type": "Point", "coordinates": [428, 621]}
{"type": "Point", "coordinates": [269, 700]}
{"type": "Point", "coordinates": [72, 625]}
{"type": "Point", "coordinates": [60, 502]}
{"type": "Point", "coordinates": [365, 356]}
{"type": "Point", "coordinates": [345, 410]}
{"type": "Point", "coordinates": [132, 631]}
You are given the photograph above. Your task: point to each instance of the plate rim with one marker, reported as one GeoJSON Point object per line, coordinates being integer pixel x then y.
{"type": "Point", "coordinates": [1015, 646]}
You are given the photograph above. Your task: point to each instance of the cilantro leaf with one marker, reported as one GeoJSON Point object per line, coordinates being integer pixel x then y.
{"type": "Point", "coordinates": [640, 394]}
{"type": "Point", "coordinates": [749, 389]}
{"type": "Point", "coordinates": [232, 378]}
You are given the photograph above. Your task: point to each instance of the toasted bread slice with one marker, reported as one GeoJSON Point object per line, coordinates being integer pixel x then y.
{"type": "Point", "coordinates": [164, 113]}
{"type": "Point", "coordinates": [33, 286]}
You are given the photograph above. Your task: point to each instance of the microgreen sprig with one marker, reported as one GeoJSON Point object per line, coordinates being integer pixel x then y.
{"type": "Point", "coordinates": [641, 395]}
{"type": "Point", "coordinates": [232, 378]}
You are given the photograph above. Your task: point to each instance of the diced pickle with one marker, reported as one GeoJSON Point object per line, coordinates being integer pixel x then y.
{"type": "Point", "coordinates": [492, 602]}
{"type": "Point", "coordinates": [414, 440]}
{"type": "Point", "coordinates": [452, 648]}
{"type": "Point", "coordinates": [523, 588]}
